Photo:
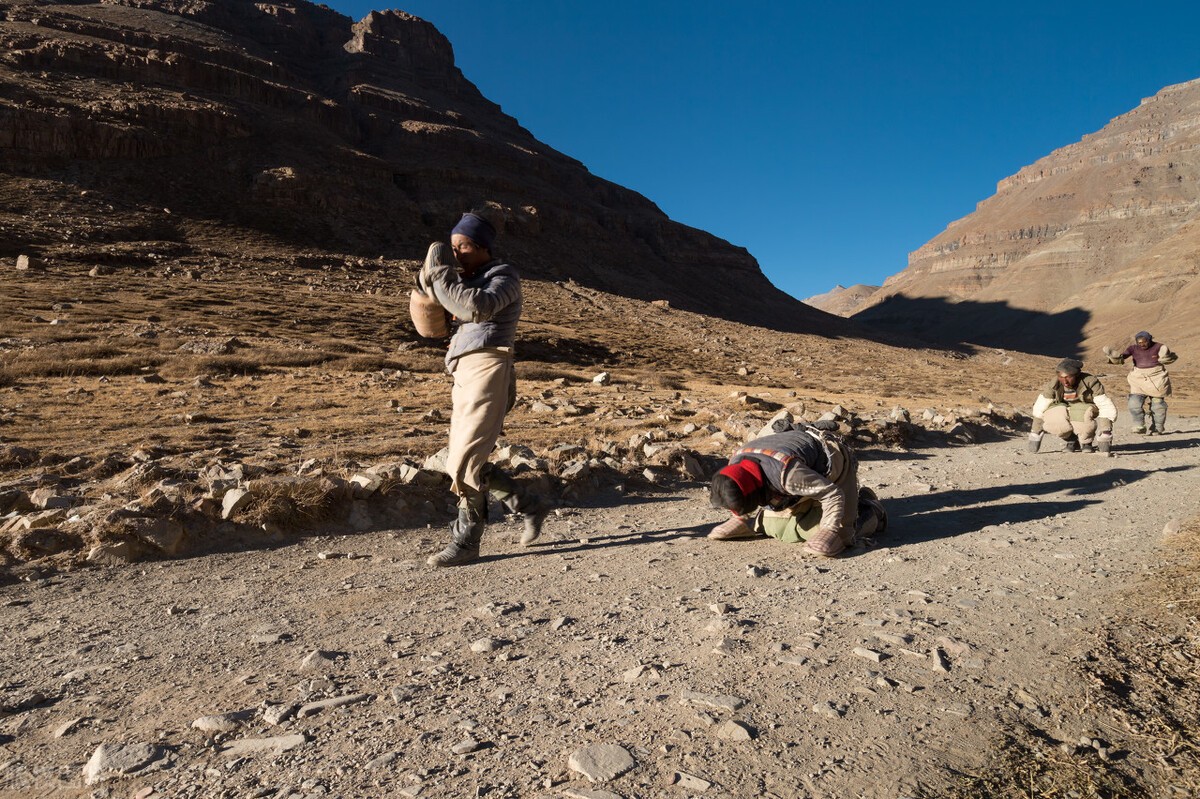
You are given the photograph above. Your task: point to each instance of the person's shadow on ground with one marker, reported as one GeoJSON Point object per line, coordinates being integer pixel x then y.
{"type": "Point", "coordinates": [927, 517]}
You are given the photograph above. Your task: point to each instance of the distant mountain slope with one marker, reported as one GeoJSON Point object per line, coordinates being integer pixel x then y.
{"type": "Point", "coordinates": [1082, 248]}
{"type": "Point", "coordinates": [284, 125]}
{"type": "Point", "coordinates": [841, 300]}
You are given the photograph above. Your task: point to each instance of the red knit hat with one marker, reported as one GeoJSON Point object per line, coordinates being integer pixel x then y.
{"type": "Point", "coordinates": [747, 474]}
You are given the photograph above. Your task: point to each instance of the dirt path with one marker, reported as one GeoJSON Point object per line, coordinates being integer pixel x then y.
{"type": "Point", "coordinates": [875, 675]}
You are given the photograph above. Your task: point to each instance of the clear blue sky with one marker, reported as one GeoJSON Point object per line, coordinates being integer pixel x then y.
{"type": "Point", "coordinates": [829, 139]}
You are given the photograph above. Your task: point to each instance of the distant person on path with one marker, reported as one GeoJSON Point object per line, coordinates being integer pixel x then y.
{"type": "Point", "coordinates": [797, 485]}
{"type": "Point", "coordinates": [1075, 408]}
{"type": "Point", "coordinates": [483, 293]}
{"type": "Point", "coordinates": [1147, 380]}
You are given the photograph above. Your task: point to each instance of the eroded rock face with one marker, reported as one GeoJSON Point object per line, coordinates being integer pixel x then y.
{"type": "Point", "coordinates": [287, 125]}
{"type": "Point", "coordinates": [1085, 246]}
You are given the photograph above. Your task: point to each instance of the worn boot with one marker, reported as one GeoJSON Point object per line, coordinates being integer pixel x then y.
{"type": "Point", "coordinates": [735, 527]}
{"type": "Point", "coordinates": [517, 499]}
{"type": "Point", "coordinates": [1086, 446]}
{"type": "Point", "coordinates": [534, 508]}
{"type": "Point", "coordinates": [1072, 443]}
{"type": "Point", "coordinates": [872, 517]}
{"type": "Point", "coordinates": [465, 534]}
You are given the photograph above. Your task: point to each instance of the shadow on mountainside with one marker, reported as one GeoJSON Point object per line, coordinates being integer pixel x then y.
{"type": "Point", "coordinates": [926, 517]}
{"type": "Point", "coordinates": [991, 324]}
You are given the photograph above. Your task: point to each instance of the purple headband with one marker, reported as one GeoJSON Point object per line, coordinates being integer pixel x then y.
{"type": "Point", "coordinates": [477, 229]}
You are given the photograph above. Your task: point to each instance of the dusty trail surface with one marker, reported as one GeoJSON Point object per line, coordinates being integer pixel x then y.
{"type": "Point", "coordinates": [887, 673]}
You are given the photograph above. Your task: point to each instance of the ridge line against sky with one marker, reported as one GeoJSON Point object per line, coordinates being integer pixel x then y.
{"type": "Point", "coordinates": [830, 140]}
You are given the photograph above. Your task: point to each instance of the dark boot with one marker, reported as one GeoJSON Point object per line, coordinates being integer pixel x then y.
{"type": "Point", "coordinates": [1072, 443]}
{"type": "Point", "coordinates": [465, 534]}
{"type": "Point", "coordinates": [534, 507]}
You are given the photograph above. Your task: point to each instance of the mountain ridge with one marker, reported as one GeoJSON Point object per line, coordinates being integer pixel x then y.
{"type": "Point", "coordinates": [287, 127]}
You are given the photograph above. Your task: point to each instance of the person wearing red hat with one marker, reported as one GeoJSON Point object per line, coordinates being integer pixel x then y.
{"type": "Point", "coordinates": [800, 485]}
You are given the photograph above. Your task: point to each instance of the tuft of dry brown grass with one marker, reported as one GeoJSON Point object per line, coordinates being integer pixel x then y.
{"type": "Point", "coordinates": [295, 504]}
{"type": "Point", "coordinates": [1145, 669]}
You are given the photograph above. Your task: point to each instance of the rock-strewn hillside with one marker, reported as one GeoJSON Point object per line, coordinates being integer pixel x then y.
{"type": "Point", "coordinates": [1080, 249]}
{"type": "Point", "coordinates": [236, 128]}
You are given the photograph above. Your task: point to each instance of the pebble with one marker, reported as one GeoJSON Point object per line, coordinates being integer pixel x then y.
{"type": "Point", "coordinates": [466, 746]}
{"type": "Point", "coordinates": [828, 709]}
{"type": "Point", "coordinates": [719, 701]}
{"type": "Point", "coordinates": [690, 782]}
{"type": "Point", "coordinates": [318, 661]}
{"type": "Point", "coordinates": [869, 654]}
{"type": "Point", "coordinates": [68, 727]}
{"type": "Point", "coordinates": [234, 500]}
{"type": "Point", "coordinates": [734, 731]}
{"type": "Point", "coordinates": [223, 722]}
{"type": "Point", "coordinates": [601, 762]}
{"type": "Point", "coordinates": [255, 746]}
{"type": "Point", "coordinates": [486, 645]}
{"type": "Point", "coordinates": [313, 708]}
{"type": "Point", "coordinates": [386, 759]}
{"type": "Point", "coordinates": [277, 714]}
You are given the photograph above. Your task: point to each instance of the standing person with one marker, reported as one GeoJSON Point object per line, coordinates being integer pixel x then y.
{"type": "Point", "coordinates": [798, 485]}
{"type": "Point", "coordinates": [1147, 380]}
{"type": "Point", "coordinates": [1075, 408]}
{"type": "Point", "coordinates": [483, 293]}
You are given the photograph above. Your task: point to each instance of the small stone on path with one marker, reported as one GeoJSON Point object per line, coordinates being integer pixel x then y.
{"type": "Point", "coordinates": [734, 731]}
{"type": "Point", "coordinates": [601, 762]}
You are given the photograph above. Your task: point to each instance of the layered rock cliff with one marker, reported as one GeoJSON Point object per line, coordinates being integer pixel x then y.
{"type": "Point", "coordinates": [284, 126]}
{"type": "Point", "coordinates": [1082, 248]}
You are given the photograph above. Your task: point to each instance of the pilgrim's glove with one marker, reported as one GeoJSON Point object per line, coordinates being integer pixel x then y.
{"type": "Point", "coordinates": [1037, 426]}
{"type": "Point", "coordinates": [1104, 426]}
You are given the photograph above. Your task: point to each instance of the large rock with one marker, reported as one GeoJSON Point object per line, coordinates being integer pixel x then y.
{"type": "Point", "coordinates": [118, 760]}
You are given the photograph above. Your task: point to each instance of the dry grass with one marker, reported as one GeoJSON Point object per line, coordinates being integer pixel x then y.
{"type": "Point", "coordinates": [1144, 669]}
{"type": "Point", "coordinates": [295, 504]}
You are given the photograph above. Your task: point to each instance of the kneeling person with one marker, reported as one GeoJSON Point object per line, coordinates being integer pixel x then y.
{"type": "Point", "coordinates": [799, 485]}
{"type": "Point", "coordinates": [1075, 408]}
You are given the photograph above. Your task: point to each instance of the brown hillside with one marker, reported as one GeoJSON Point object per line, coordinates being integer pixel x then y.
{"type": "Point", "coordinates": [229, 128]}
{"type": "Point", "coordinates": [841, 300]}
{"type": "Point", "coordinates": [1081, 249]}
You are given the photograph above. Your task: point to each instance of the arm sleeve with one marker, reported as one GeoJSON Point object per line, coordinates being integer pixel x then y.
{"type": "Point", "coordinates": [1107, 410]}
{"type": "Point", "coordinates": [1165, 356]}
{"type": "Point", "coordinates": [801, 481]}
{"type": "Point", "coordinates": [1040, 405]}
{"type": "Point", "coordinates": [472, 304]}
{"type": "Point", "coordinates": [1114, 356]}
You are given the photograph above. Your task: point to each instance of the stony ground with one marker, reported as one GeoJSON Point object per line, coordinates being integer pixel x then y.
{"type": "Point", "coordinates": [1015, 633]}
{"type": "Point", "coordinates": [698, 668]}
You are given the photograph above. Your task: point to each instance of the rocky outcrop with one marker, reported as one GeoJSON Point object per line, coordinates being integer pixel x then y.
{"type": "Point", "coordinates": [1075, 251]}
{"type": "Point", "coordinates": [287, 126]}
